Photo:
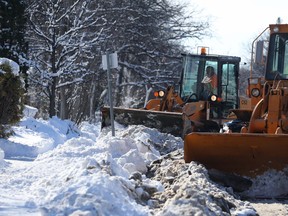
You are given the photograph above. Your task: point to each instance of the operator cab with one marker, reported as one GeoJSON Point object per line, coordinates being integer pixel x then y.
{"type": "Point", "coordinates": [277, 61]}
{"type": "Point", "coordinates": [220, 86]}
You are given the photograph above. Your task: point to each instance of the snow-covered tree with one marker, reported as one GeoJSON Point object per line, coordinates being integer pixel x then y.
{"type": "Point", "coordinates": [12, 32]}
{"type": "Point", "coordinates": [68, 39]}
{"type": "Point", "coordinates": [11, 95]}
{"type": "Point", "coordinates": [65, 38]}
{"type": "Point", "coordinates": [147, 36]}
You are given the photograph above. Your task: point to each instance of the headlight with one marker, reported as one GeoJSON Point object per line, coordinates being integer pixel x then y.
{"type": "Point", "coordinates": [159, 93]}
{"type": "Point", "coordinates": [213, 98]}
{"type": "Point", "coordinates": [255, 92]}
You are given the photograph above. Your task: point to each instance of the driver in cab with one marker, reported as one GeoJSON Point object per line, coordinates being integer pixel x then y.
{"type": "Point", "coordinates": [210, 79]}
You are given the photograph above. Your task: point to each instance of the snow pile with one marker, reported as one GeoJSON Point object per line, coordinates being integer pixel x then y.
{"type": "Point", "coordinates": [1, 155]}
{"type": "Point", "coordinates": [65, 170]}
{"type": "Point", "coordinates": [189, 191]}
{"type": "Point", "coordinates": [29, 111]}
{"type": "Point", "coordinates": [34, 136]}
{"type": "Point", "coordinates": [272, 184]}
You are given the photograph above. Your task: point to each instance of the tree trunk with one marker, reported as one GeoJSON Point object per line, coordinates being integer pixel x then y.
{"type": "Point", "coordinates": [52, 106]}
{"type": "Point", "coordinates": [119, 92]}
{"type": "Point", "coordinates": [52, 99]}
{"type": "Point", "coordinates": [91, 102]}
{"type": "Point", "coordinates": [63, 109]}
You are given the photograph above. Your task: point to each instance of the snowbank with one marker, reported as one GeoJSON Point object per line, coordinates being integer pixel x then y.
{"type": "Point", "coordinates": [55, 168]}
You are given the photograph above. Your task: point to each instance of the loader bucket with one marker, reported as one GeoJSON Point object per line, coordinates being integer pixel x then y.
{"type": "Point", "coordinates": [244, 154]}
{"type": "Point", "coordinates": [165, 122]}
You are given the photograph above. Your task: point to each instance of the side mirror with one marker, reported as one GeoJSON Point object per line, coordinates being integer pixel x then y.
{"type": "Point", "coordinates": [260, 59]}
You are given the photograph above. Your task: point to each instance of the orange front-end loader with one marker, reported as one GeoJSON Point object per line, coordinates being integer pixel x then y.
{"type": "Point", "coordinates": [263, 143]}
{"type": "Point", "coordinates": [205, 106]}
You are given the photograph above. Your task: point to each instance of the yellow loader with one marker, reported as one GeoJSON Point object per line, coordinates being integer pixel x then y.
{"type": "Point", "coordinates": [262, 144]}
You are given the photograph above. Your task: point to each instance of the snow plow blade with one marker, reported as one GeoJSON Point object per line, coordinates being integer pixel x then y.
{"type": "Point", "coordinates": [165, 122]}
{"type": "Point", "coordinates": [244, 154]}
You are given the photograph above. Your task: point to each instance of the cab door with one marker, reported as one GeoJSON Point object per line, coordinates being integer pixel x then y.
{"type": "Point", "coordinates": [229, 87]}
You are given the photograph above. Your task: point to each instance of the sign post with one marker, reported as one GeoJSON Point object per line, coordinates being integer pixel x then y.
{"type": "Point", "coordinates": [110, 61]}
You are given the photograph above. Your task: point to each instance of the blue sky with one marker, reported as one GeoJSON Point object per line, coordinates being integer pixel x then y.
{"type": "Point", "coordinates": [235, 24]}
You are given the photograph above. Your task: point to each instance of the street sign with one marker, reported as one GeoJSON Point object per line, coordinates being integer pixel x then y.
{"type": "Point", "coordinates": [113, 61]}
{"type": "Point", "coordinates": [110, 61]}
